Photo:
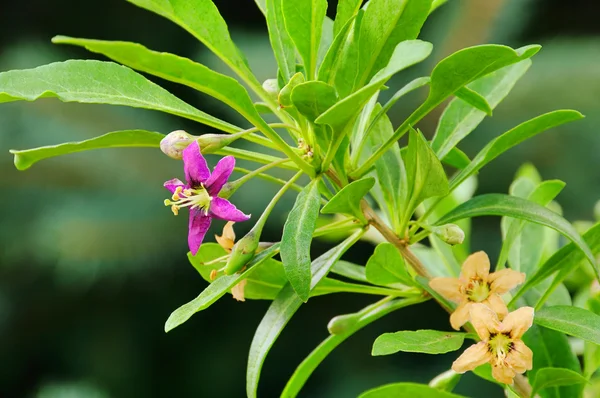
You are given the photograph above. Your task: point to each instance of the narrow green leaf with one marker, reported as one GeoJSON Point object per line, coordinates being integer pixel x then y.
{"type": "Point", "coordinates": [335, 53]}
{"type": "Point", "coordinates": [281, 42]}
{"type": "Point", "coordinates": [350, 271]}
{"type": "Point", "coordinates": [460, 118]}
{"type": "Point", "coordinates": [554, 377]}
{"type": "Point", "coordinates": [573, 321]}
{"type": "Point", "coordinates": [347, 200]}
{"type": "Point", "coordinates": [216, 290]}
{"type": "Point", "coordinates": [514, 137]}
{"type": "Point", "coordinates": [297, 237]}
{"type": "Point", "coordinates": [304, 23]}
{"type": "Point", "coordinates": [281, 311]}
{"type": "Point", "coordinates": [425, 173]}
{"type": "Point", "coordinates": [386, 267]}
{"type": "Point", "coordinates": [96, 82]}
{"type": "Point", "coordinates": [424, 341]}
{"type": "Point", "coordinates": [361, 319]}
{"type": "Point", "coordinates": [313, 98]}
{"type": "Point", "coordinates": [24, 159]}
{"type": "Point", "coordinates": [285, 95]}
{"type": "Point", "coordinates": [411, 390]}
{"type": "Point", "coordinates": [346, 10]}
{"type": "Point", "coordinates": [474, 99]}
{"type": "Point", "coordinates": [262, 5]}
{"type": "Point", "coordinates": [511, 206]}
{"type": "Point", "coordinates": [457, 158]}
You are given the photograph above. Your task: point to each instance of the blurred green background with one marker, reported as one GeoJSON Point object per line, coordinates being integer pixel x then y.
{"type": "Point", "coordinates": [92, 263]}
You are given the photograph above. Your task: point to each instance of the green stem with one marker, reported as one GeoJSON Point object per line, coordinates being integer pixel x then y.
{"type": "Point", "coordinates": [366, 289]}
{"type": "Point", "coordinates": [255, 157]}
{"type": "Point", "coordinates": [230, 188]}
{"type": "Point", "coordinates": [420, 236]}
{"type": "Point", "coordinates": [268, 177]}
{"type": "Point", "coordinates": [334, 227]}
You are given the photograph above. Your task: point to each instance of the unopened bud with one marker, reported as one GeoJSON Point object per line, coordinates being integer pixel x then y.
{"type": "Point", "coordinates": [445, 381]}
{"type": "Point", "coordinates": [342, 323]}
{"type": "Point", "coordinates": [175, 142]}
{"type": "Point", "coordinates": [450, 233]}
{"type": "Point", "coordinates": [242, 252]}
{"type": "Point", "coordinates": [210, 143]}
{"type": "Point", "coordinates": [271, 87]}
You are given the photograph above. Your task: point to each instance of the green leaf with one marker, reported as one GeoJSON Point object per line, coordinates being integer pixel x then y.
{"type": "Point", "coordinates": [313, 98]}
{"type": "Point", "coordinates": [460, 118]}
{"type": "Point", "coordinates": [335, 54]}
{"type": "Point", "coordinates": [346, 10]}
{"type": "Point", "coordinates": [514, 137]}
{"type": "Point", "coordinates": [424, 341]}
{"type": "Point", "coordinates": [281, 42]}
{"type": "Point", "coordinates": [361, 319]}
{"type": "Point", "coordinates": [216, 290]}
{"type": "Point", "coordinates": [553, 377]}
{"type": "Point", "coordinates": [573, 321]}
{"type": "Point", "coordinates": [457, 158]}
{"type": "Point", "coordinates": [425, 173]}
{"type": "Point", "coordinates": [203, 20]}
{"type": "Point", "coordinates": [96, 82]}
{"type": "Point", "coordinates": [511, 206]}
{"type": "Point", "coordinates": [350, 271]}
{"type": "Point", "coordinates": [411, 390]}
{"type": "Point", "coordinates": [386, 267]}
{"type": "Point", "coordinates": [347, 200]}
{"type": "Point", "coordinates": [262, 5]}
{"type": "Point", "coordinates": [281, 311]}
{"type": "Point", "coordinates": [24, 159]}
{"type": "Point", "coordinates": [551, 349]}
{"type": "Point", "coordinates": [387, 23]}
{"type": "Point", "coordinates": [304, 23]}
{"type": "Point", "coordinates": [297, 237]}
{"type": "Point", "coordinates": [285, 95]}
{"type": "Point", "coordinates": [474, 99]}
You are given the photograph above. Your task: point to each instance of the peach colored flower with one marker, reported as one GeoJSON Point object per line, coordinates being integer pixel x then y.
{"type": "Point", "coordinates": [227, 240]}
{"type": "Point", "coordinates": [477, 285]}
{"type": "Point", "coordinates": [500, 344]}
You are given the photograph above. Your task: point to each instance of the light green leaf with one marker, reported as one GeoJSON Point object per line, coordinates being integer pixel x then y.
{"type": "Point", "coordinates": [262, 5]}
{"type": "Point", "coordinates": [313, 98]}
{"type": "Point", "coordinates": [304, 23]}
{"type": "Point", "coordinates": [386, 267]}
{"type": "Point", "coordinates": [460, 118]}
{"type": "Point", "coordinates": [573, 321]}
{"type": "Point", "coordinates": [285, 95]}
{"type": "Point", "coordinates": [424, 341]}
{"type": "Point", "coordinates": [457, 158]}
{"type": "Point", "coordinates": [297, 237]}
{"type": "Point", "coordinates": [335, 53]}
{"type": "Point", "coordinates": [281, 42]}
{"type": "Point", "coordinates": [411, 390]}
{"type": "Point", "coordinates": [346, 10]}
{"type": "Point", "coordinates": [281, 311]}
{"type": "Point", "coordinates": [425, 173]}
{"type": "Point", "coordinates": [350, 271]}
{"type": "Point", "coordinates": [360, 319]}
{"type": "Point", "coordinates": [347, 200]}
{"type": "Point", "coordinates": [474, 99]}
{"type": "Point", "coordinates": [511, 206]}
{"type": "Point", "coordinates": [96, 82]}
{"type": "Point", "coordinates": [24, 159]}
{"type": "Point", "coordinates": [216, 290]}
{"type": "Point", "coordinates": [553, 377]}
{"type": "Point", "coordinates": [514, 137]}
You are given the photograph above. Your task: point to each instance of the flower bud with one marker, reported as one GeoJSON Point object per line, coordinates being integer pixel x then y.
{"type": "Point", "coordinates": [342, 323]}
{"type": "Point", "coordinates": [445, 381]}
{"type": "Point", "coordinates": [175, 142]}
{"type": "Point", "coordinates": [271, 87]}
{"type": "Point", "coordinates": [210, 143]}
{"type": "Point", "coordinates": [450, 233]}
{"type": "Point", "coordinates": [242, 252]}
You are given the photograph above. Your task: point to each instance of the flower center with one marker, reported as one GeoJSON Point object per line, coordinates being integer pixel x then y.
{"type": "Point", "coordinates": [477, 290]}
{"type": "Point", "coordinates": [500, 344]}
{"type": "Point", "coordinates": [192, 198]}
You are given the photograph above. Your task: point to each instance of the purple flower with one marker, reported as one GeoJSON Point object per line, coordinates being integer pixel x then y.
{"type": "Point", "coordinates": [199, 193]}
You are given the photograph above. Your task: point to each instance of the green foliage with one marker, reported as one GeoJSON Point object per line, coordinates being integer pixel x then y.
{"type": "Point", "coordinates": [407, 390]}
{"type": "Point", "coordinates": [386, 267]}
{"type": "Point", "coordinates": [551, 377]}
{"type": "Point", "coordinates": [424, 341]}
{"type": "Point", "coordinates": [348, 200]}
{"type": "Point", "coordinates": [573, 321]}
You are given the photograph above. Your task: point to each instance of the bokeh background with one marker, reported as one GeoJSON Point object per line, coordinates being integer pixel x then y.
{"type": "Point", "coordinates": [92, 264]}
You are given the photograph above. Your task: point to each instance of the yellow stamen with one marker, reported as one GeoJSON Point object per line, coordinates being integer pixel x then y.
{"type": "Point", "coordinates": [192, 198]}
{"type": "Point", "coordinates": [175, 210]}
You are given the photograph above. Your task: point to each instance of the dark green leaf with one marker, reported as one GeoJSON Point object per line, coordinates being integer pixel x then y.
{"type": "Point", "coordinates": [573, 321]}
{"type": "Point", "coordinates": [553, 377]}
{"type": "Point", "coordinates": [424, 341]}
{"type": "Point", "coordinates": [24, 159]}
{"type": "Point", "coordinates": [281, 42]}
{"type": "Point", "coordinates": [297, 237]}
{"type": "Point", "coordinates": [411, 390]}
{"type": "Point", "coordinates": [386, 267]}
{"type": "Point", "coordinates": [304, 23]}
{"type": "Point", "coordinates": [510, 206]}
{"type": "Point", "coordinates": [313, 98]}
{"type": "Point", "coordinates": [96, 82]}
{"type": "Point", "coordinates": [347, 200]}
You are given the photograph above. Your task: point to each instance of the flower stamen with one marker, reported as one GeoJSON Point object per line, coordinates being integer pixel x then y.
{"type": "Point", "coordinates": [192, 198]}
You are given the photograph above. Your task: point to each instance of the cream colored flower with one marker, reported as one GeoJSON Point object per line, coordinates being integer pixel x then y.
{"type": "Point", "coordinates": [227, 240]}
{"type": "Point", "coordinates": [500, 344]}
{"type": "Point", "coordinates": [476, 285]}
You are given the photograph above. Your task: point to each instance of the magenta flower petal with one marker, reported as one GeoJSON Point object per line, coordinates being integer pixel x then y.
{"type": "Point", "coordinates": [199, 224]}
{"type": "Point", "coordinates": [223, 209]}
{"type": "Point", "coordinates": [194, 165]}
{"type": "Point", "coordinates": [172, 185]}
{"type": "Point", "coordinates": [220, 175]}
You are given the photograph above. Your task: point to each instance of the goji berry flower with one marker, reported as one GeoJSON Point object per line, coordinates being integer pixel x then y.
{"type": "Point", "coordinates": [199, 193]}
{"type": "Point", "coordinates": [500, 344]}
{"type": "Point", "coordinates": [476, 285]}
